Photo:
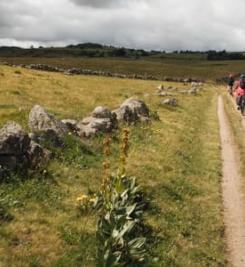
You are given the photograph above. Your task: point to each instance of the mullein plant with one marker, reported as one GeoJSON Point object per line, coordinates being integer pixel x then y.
{"type": "Point", "coordinates": [121, 204]}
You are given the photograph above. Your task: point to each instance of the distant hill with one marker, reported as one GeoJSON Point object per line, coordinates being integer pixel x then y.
{"type": "Point", "coordinates": [82, 50]}
{"type": "Point", "coordinates": [94, 50]}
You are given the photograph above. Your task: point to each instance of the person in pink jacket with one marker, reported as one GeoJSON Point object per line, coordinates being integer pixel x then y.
{"type": "Point", "coordinates": [240, 90]}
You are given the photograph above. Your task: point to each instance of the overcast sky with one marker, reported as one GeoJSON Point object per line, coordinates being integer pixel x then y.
{"type": "Point", "coordinates": [148, 24]}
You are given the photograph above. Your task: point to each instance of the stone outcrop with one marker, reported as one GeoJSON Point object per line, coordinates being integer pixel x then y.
{"type": "Point", "coordinates": [71, 125]}
{"type": "Point", "coordinates": [13, 140]}
{"type": "Point", "coordinates": [170, 102]}
{"type": "Point", "coordinates": [46, 125]}
{"type": "Point", "coordinates": [37, 156]}
{"type": "Point", "coordinates": [132, 110]}
{"type": "Point", "coordinates": [18, 151]}
{"type": "Point", "coordinates": [102, 120]}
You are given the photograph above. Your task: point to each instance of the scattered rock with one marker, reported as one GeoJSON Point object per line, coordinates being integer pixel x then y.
{"type": "Point", "coordinates": [101, 113]}
{"type": "Point", "coordinates": [160, 88]}
{"type": "Point", "coordinates": [137, 106]}
{"type": "Point", "coordinates": [193, 91]}
{"type": "Point", "coordinates": [163, 94]}
{"type": "Point", "coordinates": [47, 125]}
{"type": "Point", "coordinates": [125, 114]}
{"type": "Point", "coordinates": [13, 140]}
{"type": "Point", "coordinates": [17, 151]}
{"type": "Point", "coordinates": [187, 80]}
{"type": "Point", "coordinates": [101, 120]}
{"type": "Point", "coordinates": [196, 84]}
{"type": "Point", "coordinates": [71, 125]}
{"type": "Point", "coordinates": [170, 102]}
{"type": "Point", "coordinates": [37, 155]}
{"type": "Point", "coordinates": [190, 91]}
{"type": "Point", "coordinates": [132, 110]}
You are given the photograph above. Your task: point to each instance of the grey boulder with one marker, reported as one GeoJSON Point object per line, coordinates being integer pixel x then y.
{"type": "Point", "coordinates": [13, 140]}
{"type": "Point", "coordinates": [102, 120]}
{"type": "Point", "coordinates": [70, 124]}
{"type": "Point", "coordinates": [18, 151]}
{"type": "Point", "coordinates": [37, 156]}
{"type": "Point", "coordinates": [170, 102]}
{"type": "Point", "coordinates": [132, 110]}
{"type": "Point", "coordinates": [40, 121]}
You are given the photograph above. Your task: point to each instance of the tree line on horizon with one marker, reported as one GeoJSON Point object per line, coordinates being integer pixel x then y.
{"type": "Point", "coordinates": [100, 51]}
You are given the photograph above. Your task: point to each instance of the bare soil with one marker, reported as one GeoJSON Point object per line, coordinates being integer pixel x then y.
{"type": "Point", "coordinates": [233, 198]}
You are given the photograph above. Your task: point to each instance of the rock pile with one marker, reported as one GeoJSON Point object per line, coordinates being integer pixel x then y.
{"type": "Point", "coordinates": [46, 126]}
{"type": "Point", "coordinates": [19, 150]}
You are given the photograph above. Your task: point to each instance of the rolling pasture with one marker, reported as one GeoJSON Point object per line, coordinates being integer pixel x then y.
{"type": "Point", "coordinates": [175, 158]}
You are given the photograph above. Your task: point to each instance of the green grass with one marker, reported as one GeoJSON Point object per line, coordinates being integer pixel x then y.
{"type": "Point", "coordinates": [170, 65]}
{"type": "Point", "coordinates": [176, 159]}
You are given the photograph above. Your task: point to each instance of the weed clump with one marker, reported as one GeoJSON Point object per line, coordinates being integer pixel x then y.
{"type": "Point", "coordinates": [120, 235]}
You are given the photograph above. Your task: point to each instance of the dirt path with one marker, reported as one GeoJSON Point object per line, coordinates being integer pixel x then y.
{"type": "Point", "coordinates": [234, 202]}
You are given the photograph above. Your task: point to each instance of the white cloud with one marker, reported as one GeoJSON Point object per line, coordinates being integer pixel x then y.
{"type": "Point", "coordinates": [155, 24]}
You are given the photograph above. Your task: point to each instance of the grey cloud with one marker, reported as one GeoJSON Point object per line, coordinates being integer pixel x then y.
{"type": "Point", "coordinates": [155, 24]}
{"type": "Point", "coordinates": [98, 4]}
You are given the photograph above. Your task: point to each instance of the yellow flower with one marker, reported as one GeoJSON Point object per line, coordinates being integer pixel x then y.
{"type": "Point", "coordinates": [93, 200]}
{"type": "Point", "coordinates": [82, 198]}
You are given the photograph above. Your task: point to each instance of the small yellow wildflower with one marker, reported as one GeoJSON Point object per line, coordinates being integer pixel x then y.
{"type": "Point", "coordinates": [92, 200]}
{"type": "Point", "coordinates": [82, 198]}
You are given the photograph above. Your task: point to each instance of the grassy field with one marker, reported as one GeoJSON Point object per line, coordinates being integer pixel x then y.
{"type": "Point", "coordinates": [176, 159]}
{"type": "Point", "coordinates": [170, 65]}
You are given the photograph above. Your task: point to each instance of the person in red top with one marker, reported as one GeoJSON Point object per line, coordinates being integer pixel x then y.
{"type": "Point", "coordinates": [239, 90]}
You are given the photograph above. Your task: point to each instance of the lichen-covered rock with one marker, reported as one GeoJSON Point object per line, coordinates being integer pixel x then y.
{"type": "Point", "coordinates": [193, 91]}
{"type": "Point", "coordinates": [94, 126]}
{"type": "Point", "coordinates": [101, 112]}
{"type": "Point", "coordinates": [125, 114]}
{"type": "Point", "coordinates": [18, 151]}
{"type": "Point", "coordinates": [37, 156]}
{"type": "Point", "coordinates": [170, 102]}
{"type": "Point", "coordinates": [9, 161]}
{"type": "Point", "coordinates": [71, 125]}
{"type": "Point", "coordinates": [102, 120]}
{"type": "Point", "coordinates": [13, 140]}
{"type": "Point", "coordinates": [132, 110]}
{"type": "Point", "coordinates": [46, 124]}
{"type": "Point", "coordinates": [160, 88]}
{"type": "Point", "coordinates": [163, 94]}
